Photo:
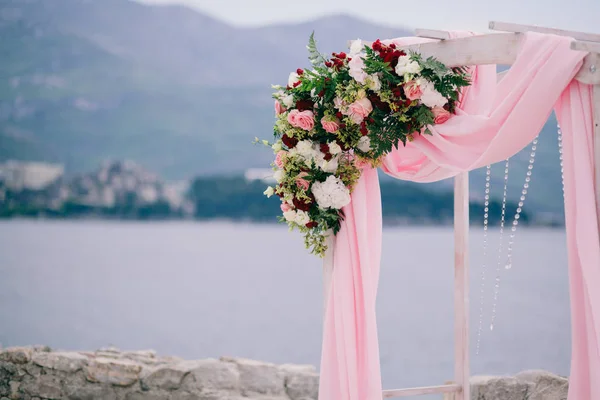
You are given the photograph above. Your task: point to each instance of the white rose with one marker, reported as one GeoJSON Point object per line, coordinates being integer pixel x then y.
{"type": "Point", "coordinates": [374, 83]}
{"type": "Point", "coordinates": [301, 218]}
{"type": "Point", "coordinates": [278, 175]}
{"type": "Point", "coordinates": [331, 194]}
{"type": "Point", "coordinates": [269, 192]}
{"type": "Point", "coordinates": [288, 100]}
{"type": "Point", "coordinates": [293, 78]}
{"type": "Point", "coordinates": [330, 166]}
{"type": "Point", "coordinates": [334, 148]}
{"type": "Point", "coordinates": [356, 47]}
{"type": "Point", "coordinates": [364, 144]}
{"type": "Point", "coordinates": [431, 97]}
{"type": "Point", "coordinates": [289, 215]}
{"type": "Point", "coordinates": [276, 146]}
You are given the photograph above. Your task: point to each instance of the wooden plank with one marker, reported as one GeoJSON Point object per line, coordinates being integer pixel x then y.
{"type": "Point", "coordinates": [582, 45]}
{"type": "Point", "coordinates": [518, 28]}
{"type": "Point", "coordinates": [461, 285]}
{"type": "Point", "coordinates": [590, 70]}
{"type": "Point", "coordinates": [451, 388]}
{"type": "Point", "coordinates": [497, 48]}
{"type": "Point", "coordinates": [596, 125]}
{"type": "Point", "coordinates": [432, 34]}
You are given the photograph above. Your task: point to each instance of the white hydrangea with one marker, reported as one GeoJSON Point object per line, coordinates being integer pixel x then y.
{"type": "Point", "coordinates": [364, 144]}
{"type": "Point", "coordinates": [406, 66]}
{"type": "Point", "coordinates": [431, 97]}
{"type": "Point", "coordinates": [269, 192]}
{"type": "Point", "coordinates": [331, 194]}
{"type": "Point", "coordinates": [301, 218]}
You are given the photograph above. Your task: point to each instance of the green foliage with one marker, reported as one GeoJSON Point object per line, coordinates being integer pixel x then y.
{"type": "Point", "coordinates": [314, 56]}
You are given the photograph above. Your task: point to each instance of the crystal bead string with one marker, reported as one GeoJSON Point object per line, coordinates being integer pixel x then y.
{"type": "Point", "coordinates": [560, 157]}
{"type": "Point", "coordinates": [502, 219]}
{"type": "Point", "coordinates": [513, 229]}
{"type": "Point", "coordinates": [486, 205]}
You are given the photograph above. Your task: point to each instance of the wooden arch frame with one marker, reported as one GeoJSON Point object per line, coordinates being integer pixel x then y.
{"type": "Point", "coordinates": [494, 48]}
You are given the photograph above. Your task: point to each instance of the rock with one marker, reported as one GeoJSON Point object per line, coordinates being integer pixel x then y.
{"type": "Point", "coordinates": [8, 372]}
{"type": "Point", "coordinates": [16, 355]}
{"type": "Point", "coordinates": [67, 362]}
{"type": "Point", "coordinates": [159, 395]}
{"type": "Point", "coordinates": [301, 382]}
{"type": "Point", "coordinates": [499, 388]}
{"type": "Point", "coordinates": [45, 386]}
{"type": "Point", "coordinates": [212, 375]}
{"type": "Point", "coordinates": [546, 386]}
{"type": "Point", "coordinates": [115, 372]}
{"type": "Point", "coordinates": [91, 392]}
{"type": "Point", "coordinates": [168, 377]}
{"type": "Point", "coordinates": [258, 377]}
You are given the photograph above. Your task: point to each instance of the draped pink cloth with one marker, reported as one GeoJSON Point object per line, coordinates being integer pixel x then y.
{"type": "Point", "coordinates": [494, 121]}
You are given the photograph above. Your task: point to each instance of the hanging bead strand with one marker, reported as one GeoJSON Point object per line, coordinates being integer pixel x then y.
{"type": "Point", "coordinates": [560, 157]}
{"type": "Point", "coordinates": [486, 209]}
{"type": "Point", "coordinates": [513, 229]}
{"type": "Point", "coordinates": [502, 218]}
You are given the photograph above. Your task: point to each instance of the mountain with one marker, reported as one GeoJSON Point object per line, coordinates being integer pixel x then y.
{"type": "Point", "coordinates": [181, 93]}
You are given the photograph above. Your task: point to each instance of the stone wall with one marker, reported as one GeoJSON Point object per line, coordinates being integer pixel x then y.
{"type": "Point", "coordinates": [39, 373]}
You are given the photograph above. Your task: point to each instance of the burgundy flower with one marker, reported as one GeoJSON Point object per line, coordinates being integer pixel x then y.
{"type": "Point", "coordinates": [363, 128]}
{"type": "Point", "coordinates": [303, 105]}
{"type": "Point", "coordinates": [311, 224]}
{"type": "Point", "coordinates": [301, 205]}
{"type": "Point", "coordinates": [290, 142]}
{"type": "Point", "coordinates": [299, 71]}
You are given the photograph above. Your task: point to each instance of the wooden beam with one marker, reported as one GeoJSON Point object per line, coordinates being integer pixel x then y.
{"type": "Point", "coordinates": [461, 285]}
{"type": "Point", "coordinates": [497, 48]}
{"type": "Point", "coordinates": [582, 45]}
{"type": "Point", "coordinates": [517, 28]}
{"type": "Point", "coordinates": [596, 127]}
{"type": "Point", "coordinates": [432, 34]}
{"type": "Point", "coordinates": [451, 388]}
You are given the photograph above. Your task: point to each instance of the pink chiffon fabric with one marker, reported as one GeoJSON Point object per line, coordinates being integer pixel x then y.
{"type": "Point", "coordinates": [494, 121]}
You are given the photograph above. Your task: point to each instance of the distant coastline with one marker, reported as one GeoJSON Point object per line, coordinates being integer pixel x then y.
{"type": "Point", "coordinates": [124, 191]}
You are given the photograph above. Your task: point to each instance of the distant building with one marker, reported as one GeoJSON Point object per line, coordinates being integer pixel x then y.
{"type": "Point", "coordinates": [259, 174]}
{"type": "Point", "coordinates": [19, 175]}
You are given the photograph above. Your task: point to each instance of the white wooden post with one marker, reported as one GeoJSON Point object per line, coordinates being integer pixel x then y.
{"type": "Point", "coordinates": [461, 285]}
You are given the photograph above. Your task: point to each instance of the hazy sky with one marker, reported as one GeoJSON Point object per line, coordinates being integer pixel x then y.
{"type": "Point", "coordinates": [581, 15]}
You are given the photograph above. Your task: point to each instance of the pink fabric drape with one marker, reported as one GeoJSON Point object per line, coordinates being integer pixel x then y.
{"type": "Point", "coordinates": [494, 121]}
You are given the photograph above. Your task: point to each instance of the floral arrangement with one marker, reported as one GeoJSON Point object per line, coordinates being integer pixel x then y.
{"type": "Point", "coordinates": [345, 114]}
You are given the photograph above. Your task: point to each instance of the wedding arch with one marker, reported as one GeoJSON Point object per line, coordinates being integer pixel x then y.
{"type": "Point", "coordinates": [499, 115]}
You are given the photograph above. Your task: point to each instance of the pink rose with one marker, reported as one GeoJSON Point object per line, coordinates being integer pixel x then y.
{"type": "Point", "coordinates": [279, 159]}
{"type": "Point", "coordinates": [440, 115]}
{"type": "Point", "coordinates": [292, 117]}
{"type": "Point", "coordinates": [359, 110]}
{"type": "Point", "coordinates": [301, 182]}
{"type": "Point", "coordinates": [302, 119]}
{"type": "Point", "coordinates": [412, 90]}
{"type": "Point", "coordinates": [285, 207]}
{"type": "Point", "coordinates": [279, 109]}
{"type": "Point", "coordinates": [356, 69]}
{"type": "Point", "coordinates": [330, 126]}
